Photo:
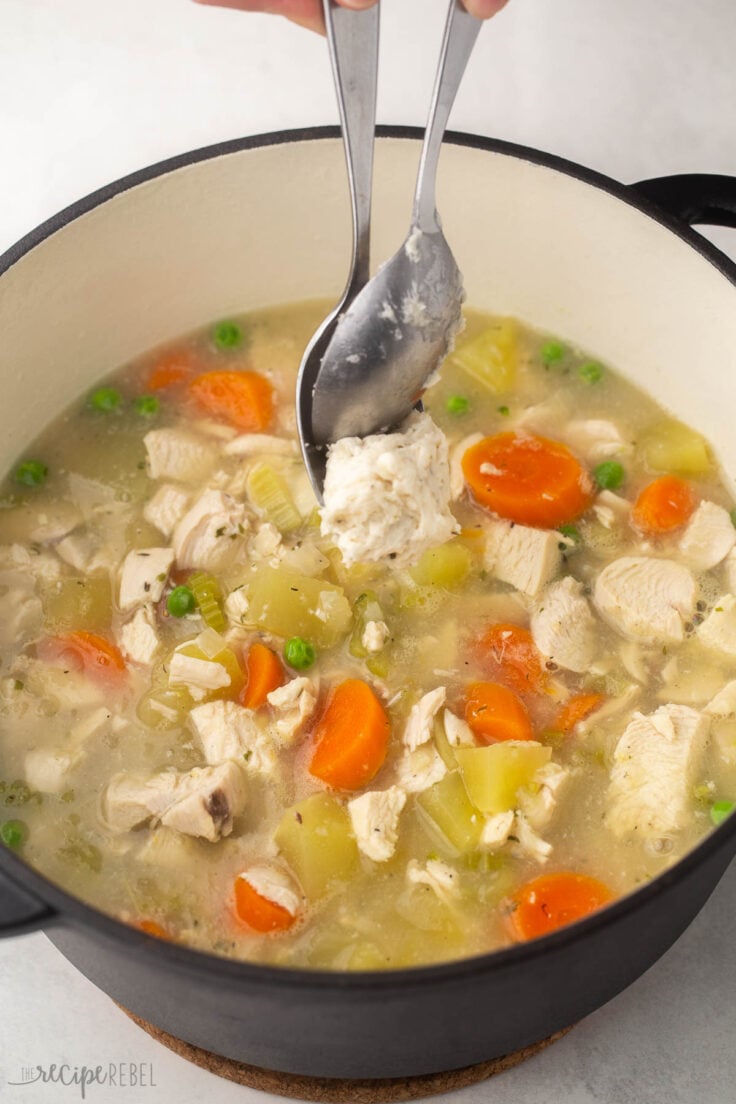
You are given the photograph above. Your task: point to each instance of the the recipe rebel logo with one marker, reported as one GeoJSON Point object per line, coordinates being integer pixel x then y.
{"type": "Point", "coordinates": [119, 1075]}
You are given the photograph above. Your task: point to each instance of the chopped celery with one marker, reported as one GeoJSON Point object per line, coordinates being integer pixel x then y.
{"type": "Point", "coordinates": [288, 604]}
{"type": "Point", "coordinates": [316, 839]}
{"type": "Point", "coordinates": [365, 608]}
{"type": "Point", "coordinates": [445, 808]}
{"type": "Point", "coordinates": [493, 774]}
{"type": "Point", "coordinates": [208, 596]}
{"type": "Point", "coordinates": [491, 358]}
{"type": "Point", "coordinates": [76, 603]}
{"type": "Point", "coordinates": [446, 566]}
{"type": "Point", "coordinates": [420, 906]}
{"type": "Point", "coordinates": [270, 496]}
{"type": "Point", "coordinates": [164, 707]}
{"type": "Point", "coordinates": [670, 446]}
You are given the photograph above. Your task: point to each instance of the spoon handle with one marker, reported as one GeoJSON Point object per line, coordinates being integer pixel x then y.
{"type": "Point", "coordinates": [353, 42]}
{"type": "Point", "coordinates": [461, 31]}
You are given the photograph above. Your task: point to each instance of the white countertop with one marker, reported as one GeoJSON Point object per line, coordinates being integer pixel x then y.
{"type": "Point", "coordinates": [93, 90]}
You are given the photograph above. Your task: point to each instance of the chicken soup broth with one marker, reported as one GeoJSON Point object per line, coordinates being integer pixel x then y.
{"type": "Point", "coordinates": [222, 729]}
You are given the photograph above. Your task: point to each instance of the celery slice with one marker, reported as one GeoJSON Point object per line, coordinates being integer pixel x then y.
{"type": "Point", "coordinates": [316, 839]}
{"type": "Point", "coordinates": [491, 358]}
{"type": "Point", "coordinates": [271, 498]}
{"type": "Point", "coordinates": [208, 596]}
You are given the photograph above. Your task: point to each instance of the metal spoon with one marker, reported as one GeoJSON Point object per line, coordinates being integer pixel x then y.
{"type": "Point", "coordinates": [370, 361]}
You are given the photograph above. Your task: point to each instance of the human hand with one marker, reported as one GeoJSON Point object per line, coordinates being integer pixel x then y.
{"type": "Point", "coordinates": [308, 13]}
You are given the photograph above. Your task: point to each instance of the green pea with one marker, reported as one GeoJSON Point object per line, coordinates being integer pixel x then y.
{"type": "Point", "coordinates": [105, 399]}
{"type": "Point", "coordinates": [227, 335]}
{"type": "Point", "coordinates": [609, 475]}
{"type": "Point", "coordinates": [719, 810]}
{"type": "Point", "coordinates": [299, 653]}
{"type": "Point", "coordinates": [181, 601]}
{"type": "Point", "coordinates": [14, 833]}
{"type": "Point", "coordinates": [31, 473]}
{"type": "Point", "coordinates": [552, 351]}
{"type": "Point", "coordinates": [591, 372]}
{"type": "Point", "coordinates": [457, 405]}
{"type": "Point", "coordinates": [571, 532]}
{"type": "Point", "coordinates": [504, 410]}
{"type": "Point", "coordinates": [147, 405]}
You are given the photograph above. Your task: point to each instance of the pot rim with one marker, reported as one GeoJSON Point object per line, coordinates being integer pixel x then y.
{"type": "Point", "coordinates": [235, 971]}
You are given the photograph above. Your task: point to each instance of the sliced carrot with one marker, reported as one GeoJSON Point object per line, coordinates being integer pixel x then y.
{"type": "Point", "coordinates": [84, 651]}
{"type": "Point", "coordinates": [351, 737]}
{"type": "Point", "coordinates": [509, 655]}
{"type": "Point", "coordinates": [264, 673]}
{"type": "Point", "coordinates": [170, 368]}
{"type": "Point", "coordinates": [576, 709]}
{"type": "Point", "coordinates": [527, 479]}
{"type": "Point", "coordinates": [257, 911]}
{"type": "Point", "coordinates": [495, 713]}
{"type": "Point", "coordinates": [553, 900]}
{"type": "Point", "coordinates": [151, 927]}
{"type": "Point", "coordinates": [664, 505]}
{"type": "Point", "coordinates": [245, 399]}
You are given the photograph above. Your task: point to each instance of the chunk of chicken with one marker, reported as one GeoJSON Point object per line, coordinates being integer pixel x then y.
{"type": "Point", "coordinates": [496, 831]}
{"type": "Point", "coordinates": [417, 770]}
{"type": "Point", "coordinates": [457, 476]}
{"type": "Point", "coordinates": [375, 820]}
{"type": "Point", "coordinates": [212, 533]}
{"type": "Point", "coordinates": [527, 843]}
{"type": "Point", "coordinates": [441, 878]}
{"type": "Point", "coordinates": [138, 638]}
{"type": "Point", "coordinates": [48, 770]}
{"type": "Point", "coordinates": [708, 537]}
{"type": "Point", "coordinates": [525, 558]}
{"type": "Point", "coordinates": [718, 631]}
{"type": "Point", "coordinates": [166, 508]}
{"type": "Point", "coordinates": [201, 802]}
{"type": "Point", "coordinates": [143, 576]}
{"type": "Point", "coordinates": [724, 702]}
{"type": "Point", "coordinates": [563, 626]}
{"type": "Point", "coordinates": [646, 598]}
{"type": "Point", "coordinates": [420, 722]}
{"type": "Point", "coordinates": [611, 509]}
{"type": "Point", "coordinates": [458, 732]}
{"type": "Point", "coordinates": [198, 675]}
{"type": "Point", "coordinates": [273, 883]}
{"type": "Point", "coordinates": [375, 635]}
{"type": "Point", "coordinates": [255, 444]}
{"type": "Point", "coordinates": [655, 765]}
{"type": "Point", "coordinates": [294, 705]}
{"type": "Point", "coordinates": [539, 801]}
{"type": "Point", "coordinates": [225, 731]}
{"type": "Point", "coordinates": [180, 455]}
{"type": "Point", "coordinates": [83, 551]}
{"type": "Point", "coordinates": [596, 439]}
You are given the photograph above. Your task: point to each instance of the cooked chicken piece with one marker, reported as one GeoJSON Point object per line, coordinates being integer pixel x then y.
{"type": "Point", "coordinates": [166, 508]}
{"type": "Point", "coordinates": [212, 534]}
{"type": "Point", "coordinates": [646, 598]}
{"type": "Point", "coordinates": [266, 543]}
{"type": "Point", "coordinates": [610, 708]}
{"type": "Point", "coordinates": [655, 766]}
{"type": "Point", "coordinates": [523, 557]}
{"type": "Point", "coordinates": [527, 842]}
{"type": "Point", "coordinates": [198, 675]}
{"type": "Point", "coordinates": [48, 770]}
{"type": "Point", "coordinates": [417, 770]}
{"type": "Point", "coordinates": [420, 722]}
{"type": "Point", "coordinates": [236, 606]}
{"type": "Point", "coordinates": [611, 509]}
{"type": "Point", "coordinates": [202, 802]}
{"type": "Point", "coordinates": [563, 626]}
{"type": "Point", "coordinates": [387, 495]}
{"type": "Point", "coordinates": [729, 571]}
{"type": "Point", "coordinates": [251, 444]}
{"type": "Point", "coordinates": [375, 635]}
{"type": "Point", "coordinates": [143, 576]}
{"type": "Point", "coordinates": [294, 705]}
{"type": "Point", "coordinates": [375, 820]}
{"type": "Point", "coordinates": [496, 831]}
{"type": "Point", "coordinates": [708, 537]}
{"type": "Point", "coordinates": [439, 876]}
{"type": "Point", "coordinates": [16, 559]}
{"type": "Point", "coordinates": [458, 732]}
{"type": "Point", "coordinates": [22, 617]}
{"type": "Point", "coordinates": [539, 801]}
{"type": "Point", "coordinates": [718, 631]}
{"type": "Point", "coordinates": [457, 476]}
{"type": "Point", "coordinates": [54, 522]}
{"type": "Point", "coordinates": [225, 730]}
{"type": "Point", "coordinates": [273, 883]}
{"type": "Point", "coordinates": [724, 703]}
{"type": "Point", "coordinates": [180, 455]}
{"type": "Point", "coordinates": [138, 638]}
{"type": "Point", "coordinates": [84, 553]}
{"type": "Point", "coordinates": [596, 439]}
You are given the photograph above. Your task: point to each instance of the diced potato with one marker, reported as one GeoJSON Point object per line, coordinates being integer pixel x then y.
{"type": "Point", "coordinates": [492, 357]}
{"type": "Point", "coordinates": [494, 774]}
{"type": "Point", "coordinates": [270, 496]}
{"type": "Point", "coordinates": [446, 566]}
{"type": "Point", "coordinates": [670, 446]}
{"type": "Point", "coordinates": [420, 906]}
{"type": "Point", "coordinates": [288, 604]}
{"type": "Point", "coordinates": [449, 812]}
{"type": "Point", "coordinates": [316, 839]}
{"type": "Point", "coordinates": [79, 603]}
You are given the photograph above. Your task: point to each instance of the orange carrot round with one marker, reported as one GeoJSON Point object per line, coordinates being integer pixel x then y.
{"type": "Point", "coordinates": [87, 652]}
{"type": "Point", "coordinates": [170, 369]}
{"type": "Point", "coordinates": [151, 927]}
{"type": "Point", "coordinates": [264, 673]}
{"type": "Point", "coordinates": [244, 399]}
{"type": "Point", "coordinates": [259, 912]}
{"type": "Point", "coordinates": [351, 737]}
{"type": "Point", "coordinates": [553, 900]}
{"type": "Point", "coordinates": [495, 713]}
{"type": "Point", "coordinates": [663, 505]}
{"type": "Point", "coordinates": [509, 655]}
{"type": "Point", "coordinates": [527, 479]}
{"type": "Point", "coordinates": [576, 709]}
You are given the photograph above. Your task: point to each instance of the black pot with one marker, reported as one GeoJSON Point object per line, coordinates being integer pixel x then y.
{"type": "Point", "coordinates": [251, 221]}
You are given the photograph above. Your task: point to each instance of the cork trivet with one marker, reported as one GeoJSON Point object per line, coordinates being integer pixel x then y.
{"type": "Point", "coordinates": [331, 1090]}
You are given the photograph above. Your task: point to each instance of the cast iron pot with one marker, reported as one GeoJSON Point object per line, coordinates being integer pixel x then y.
{"type": "Point", "coordinates": [615, 269]}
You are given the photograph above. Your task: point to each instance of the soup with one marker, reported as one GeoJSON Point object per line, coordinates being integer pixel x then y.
{"type": "Point", "coordinates": [397, 735]}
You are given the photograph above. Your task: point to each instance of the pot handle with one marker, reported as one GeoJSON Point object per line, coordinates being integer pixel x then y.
{"type": "Point", "coordinates": [19, 911]}
{"type": "Point", "coordinates": [694, 198]}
